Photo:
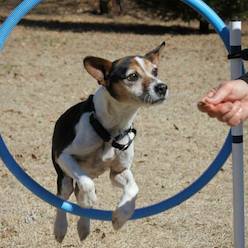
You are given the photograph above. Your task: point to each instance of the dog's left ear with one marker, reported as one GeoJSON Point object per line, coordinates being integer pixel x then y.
{"type": "Point", "coordinates": [153, 55]}
{"type": "Point", "coordinates": [98, 68]}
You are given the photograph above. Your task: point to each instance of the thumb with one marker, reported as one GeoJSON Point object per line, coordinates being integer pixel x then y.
{"type": "Point", "coordinates": [217, 96]}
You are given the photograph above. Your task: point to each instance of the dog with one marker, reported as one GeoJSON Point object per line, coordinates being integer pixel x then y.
{"type": "Point", "coordinates": [97, 135]}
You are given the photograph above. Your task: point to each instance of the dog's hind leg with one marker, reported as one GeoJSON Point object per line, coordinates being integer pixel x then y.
{"type": "Point", "coordinates": [83, 225]}
{"type": "Point", "coordinates": [65, 189]}
{"type": "Point", "coordinates": [126, 206]}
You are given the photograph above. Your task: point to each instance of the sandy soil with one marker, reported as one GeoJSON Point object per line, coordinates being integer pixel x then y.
{"type": "Point", "coordinates": [41, 75]}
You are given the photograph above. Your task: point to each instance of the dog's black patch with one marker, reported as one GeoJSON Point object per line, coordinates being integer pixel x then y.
{"type": "Point", "coordinates": [118, 73]}
{"type": "Point", "coordinates": [119, 69]}
{"type": "Point", "coordinates": [64, 132]}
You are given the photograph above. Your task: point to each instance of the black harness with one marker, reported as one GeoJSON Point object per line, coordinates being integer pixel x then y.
{"type": "Point", "coordinates": [105, 135]}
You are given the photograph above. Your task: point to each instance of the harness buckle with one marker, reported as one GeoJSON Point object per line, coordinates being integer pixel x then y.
{"type": "Point", "coordinates": [106, 136]}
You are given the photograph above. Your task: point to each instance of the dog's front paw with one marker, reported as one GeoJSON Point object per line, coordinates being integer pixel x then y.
{"type": "Point", "coordinates": [89, 199]}
{"type": "Point", "coordinates": [122, 214]}
{"type": "Point", "coordinates": [87, 193]}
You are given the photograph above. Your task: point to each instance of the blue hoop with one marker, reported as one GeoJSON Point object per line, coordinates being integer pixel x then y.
{"type": "Point", "coordinates": [67, 206]}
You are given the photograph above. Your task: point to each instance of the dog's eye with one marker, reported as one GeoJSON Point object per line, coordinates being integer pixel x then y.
{"type": "Point", "coordinates": [155, 72]}
{"type": "Point", "coordinates": [133, 77]}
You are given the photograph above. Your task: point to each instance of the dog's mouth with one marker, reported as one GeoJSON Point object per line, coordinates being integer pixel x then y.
{"type": "Point", "coordinates": [158, 101]}
{"type": "Point", "coordinates": [155, 94]}
{"type": "Point", "coordinates": [148, 99]}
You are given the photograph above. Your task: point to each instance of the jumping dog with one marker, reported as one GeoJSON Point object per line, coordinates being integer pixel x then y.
{"type": "Point", "coordinates": [97, 135]}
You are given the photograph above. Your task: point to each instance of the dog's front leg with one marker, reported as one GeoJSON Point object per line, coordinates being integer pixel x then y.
{"type": "Point", "coordinates": [84, 190]}
{"type": "Point", "coordinates": [83, 225]}
{"type": "Point", "coordinates": [126, 206]}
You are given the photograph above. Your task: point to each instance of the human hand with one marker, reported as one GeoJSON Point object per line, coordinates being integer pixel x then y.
{"type": "Point", "coordinates": [228, 102]}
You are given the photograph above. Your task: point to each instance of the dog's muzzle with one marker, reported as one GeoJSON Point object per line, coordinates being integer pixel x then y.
{"type": "Point", "coordinates": [156, 93]}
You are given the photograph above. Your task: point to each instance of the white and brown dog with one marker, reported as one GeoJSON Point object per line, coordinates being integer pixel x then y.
{"type": "Point", "coordinates": [96, 135]}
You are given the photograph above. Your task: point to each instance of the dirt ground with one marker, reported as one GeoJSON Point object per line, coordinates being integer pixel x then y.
{"type": "Point", "coordinates": [41, 75]}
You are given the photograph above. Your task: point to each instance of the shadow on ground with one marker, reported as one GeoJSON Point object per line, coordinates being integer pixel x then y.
{"type": "Point", "coordinates": [108, 27]}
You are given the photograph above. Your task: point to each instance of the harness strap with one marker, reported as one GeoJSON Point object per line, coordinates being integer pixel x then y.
{"type": "Point", "coordinates": [98, 127]}
{"type": "Point", "coordinates": [105, 135]}
{"type": "Point", "coordinates": [91, 107]}
{"type": "Point", "coordinates": [121, 146]}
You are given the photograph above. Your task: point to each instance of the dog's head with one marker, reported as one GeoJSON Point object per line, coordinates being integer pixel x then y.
{"type": "Point", "coordinates": [130, 79]}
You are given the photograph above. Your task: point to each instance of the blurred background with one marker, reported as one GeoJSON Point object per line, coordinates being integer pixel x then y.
{"type": "Point", "coordinates": [142, 10]}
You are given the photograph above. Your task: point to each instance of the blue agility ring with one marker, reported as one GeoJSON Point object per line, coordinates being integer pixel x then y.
{"type": "Point", "coordinates": [207, 13]}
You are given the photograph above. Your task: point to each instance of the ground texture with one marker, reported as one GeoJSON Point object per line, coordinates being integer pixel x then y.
{"type": "Point", "coordinates": [41, 75]}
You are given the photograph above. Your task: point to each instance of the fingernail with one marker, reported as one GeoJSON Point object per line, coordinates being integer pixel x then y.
{"type": "Point", "coordinates": [208, 100]}
{"type": "Point", "coordinates": [210, 94]}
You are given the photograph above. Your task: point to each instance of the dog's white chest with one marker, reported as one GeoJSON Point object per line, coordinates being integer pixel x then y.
{"type": "Point", "coordinates": [104, 158]}
{"type": "Point", "coordinates": [93, 155]}
{"type": "Point", "coordinates": [98, 162]}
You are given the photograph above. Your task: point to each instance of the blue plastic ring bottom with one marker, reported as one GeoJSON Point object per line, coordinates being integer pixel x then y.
{"type": "Point", "coordinates": [5, 30]}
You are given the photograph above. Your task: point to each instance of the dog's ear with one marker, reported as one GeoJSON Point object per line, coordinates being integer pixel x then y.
{"type": "Point", "coordinates": [98, 68]}
{"type": "Point", "coordinates": [153, 55]}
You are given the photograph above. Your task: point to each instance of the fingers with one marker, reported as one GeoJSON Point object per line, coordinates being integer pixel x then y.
{"type": "Point", "coordinates": [228, 102]}
{"type": "Point", "coordinates": [218, 95]}
{"type": "Point", "coordinates": [228, 112]}
{"type": "Point", "coordinates": [234, 116]}
{"type": "Point", "coordinates": [235, 120]}
{"type": "Point", "coordinates": [215, 110]}
{"type": "Point", "coordinates": [234, 90]}
{"type": "Point", "coordinates": [241, 114]}
{"type": "Point", "coordinates": [236, 108]}
{"type": "Point", "coordinates": [244, 110]}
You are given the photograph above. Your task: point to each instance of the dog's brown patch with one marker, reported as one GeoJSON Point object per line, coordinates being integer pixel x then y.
{"type": "Point", "coordinates": [145, 72]}
{"type": "Point", "coordinates": [118, 88]}
{"type": "Point", "coordinates": [120, 92]}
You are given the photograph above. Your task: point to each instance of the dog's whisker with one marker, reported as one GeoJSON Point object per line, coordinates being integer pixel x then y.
{"type": "Point", "coordinates": [149, 99]}
{"type": "Point", "coordinates": [145, 99]}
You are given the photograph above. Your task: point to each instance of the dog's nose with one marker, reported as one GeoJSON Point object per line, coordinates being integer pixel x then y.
{"type": "Point", "coordinates": [161, 89]}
